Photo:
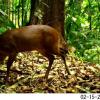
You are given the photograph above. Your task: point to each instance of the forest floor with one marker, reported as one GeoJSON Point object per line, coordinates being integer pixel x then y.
{"type": "Point", "coordinates": [26, 76]}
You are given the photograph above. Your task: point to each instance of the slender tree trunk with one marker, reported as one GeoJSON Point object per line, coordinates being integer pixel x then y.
{"type": "Point", "coordinates": [33, 19]}
{"type": "Point", "coordinates": [19, 14]}
{"type": "Point", "coordinates": [12, 11]}
{"type": "Point", "coordinates": [90, 16]}
{"type": "Point", "coordinates": [8, 9]}
{"type": "Point", "coordinates": [22, 12]}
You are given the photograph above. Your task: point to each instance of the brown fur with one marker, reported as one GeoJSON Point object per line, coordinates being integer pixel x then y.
{"type": "Point", "coordinates": [42, 38]}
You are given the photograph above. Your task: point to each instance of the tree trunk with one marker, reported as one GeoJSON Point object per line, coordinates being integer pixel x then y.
{"type": "Point", "coordinates": [33, 18]}
{"type": "Point", "coordinates": [54, 14]}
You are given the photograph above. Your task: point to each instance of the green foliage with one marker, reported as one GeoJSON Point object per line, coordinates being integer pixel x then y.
{"type": "Point", "coordinates": [82, 28]}
{"type": "Point", "coordinates": [2, 29]}
{"type": "Point", "coordinates": [5, 23]}
{"type": "Point", "coordinates": [92, 55]}
{"type": "Point", "coordinates": [14, 13]}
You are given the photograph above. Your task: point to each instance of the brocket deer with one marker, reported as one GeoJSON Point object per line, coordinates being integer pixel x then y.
{"type": "Point", "coordinates": [45, 39]}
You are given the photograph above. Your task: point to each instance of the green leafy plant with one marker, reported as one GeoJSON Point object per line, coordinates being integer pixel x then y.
{"type": "Point", "coordinates": [82, 28]}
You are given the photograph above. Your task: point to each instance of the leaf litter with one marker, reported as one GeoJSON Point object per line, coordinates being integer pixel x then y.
{"type": "Point", "coordinates": [27, 76]}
